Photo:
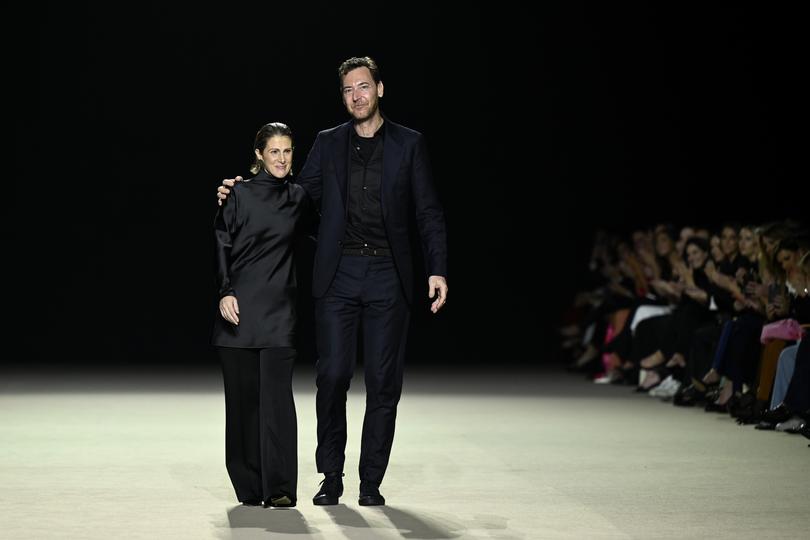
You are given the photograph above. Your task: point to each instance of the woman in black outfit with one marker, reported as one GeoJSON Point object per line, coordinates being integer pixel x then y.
{"type": "Point", "coordinates": [255, 332]}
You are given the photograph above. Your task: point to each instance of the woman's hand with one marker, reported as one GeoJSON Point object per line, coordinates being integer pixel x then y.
{"type": "Point", "coordinates": [756, 290]}
{"type": "Point", "coordinates": [781, 306]}
{"type": "Point", "coordinates": [697, 294]}
{"type": "Point", "coordinates": [688, 276]}
{"type": "Point", "coordinates": [229, 308]}
{"type": "Point", "coordinates": [711, 271]}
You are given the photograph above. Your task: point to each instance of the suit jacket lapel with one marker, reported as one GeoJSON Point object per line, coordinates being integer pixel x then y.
{"type": "Point", "coordinates": [392, 157]}
{"type": "Point", "coordinates": [341, 155]}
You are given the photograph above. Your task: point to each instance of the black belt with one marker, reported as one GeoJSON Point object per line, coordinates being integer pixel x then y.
{"type": "Point", "coordinates": [368, 252]}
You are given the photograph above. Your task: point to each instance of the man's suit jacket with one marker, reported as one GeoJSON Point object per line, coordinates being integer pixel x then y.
{"type": "Point", "coordinates": [406, 179]}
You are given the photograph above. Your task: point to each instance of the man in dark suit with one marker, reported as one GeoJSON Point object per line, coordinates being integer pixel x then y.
{"type": "Point", "coordinates": [364, 176]}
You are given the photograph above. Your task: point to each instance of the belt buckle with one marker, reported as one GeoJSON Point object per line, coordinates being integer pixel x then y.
{"type": "Point", "coordinates": [365, 252]}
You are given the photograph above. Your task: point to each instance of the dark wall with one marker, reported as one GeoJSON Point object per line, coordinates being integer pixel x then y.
{"type": "Point", "coordinates": [540, 128]}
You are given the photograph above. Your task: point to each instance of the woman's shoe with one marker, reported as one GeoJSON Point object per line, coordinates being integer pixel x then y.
{"type": "Point", "coordinates": [742, 405]}
{"type": "Point", "coordinates": [753, 416]}
{"type": "Point", "coordinates": [646, 386]}
{"type": "Point", "coordinates": [713, 406]}
{"type": "Point", "coordinates": [794, 425]}
{"type": "Point", "coordinates": [778, 414]}
{"type": "Point", "coordinates": [687, 396]}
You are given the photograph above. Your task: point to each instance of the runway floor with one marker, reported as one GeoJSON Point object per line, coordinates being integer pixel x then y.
{"type": "Point", "coordinates": [499, 453]}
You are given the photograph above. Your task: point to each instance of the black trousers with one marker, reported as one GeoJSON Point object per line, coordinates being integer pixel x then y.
{"type": "Point", "coordinates": [741, 359]}
{"type": "Point", "coordinates": [686, 319]}
{"type": "Point", "coordinates": [701, 355]}
{"type": "Point", "coordinates": [261, 439]}
{"type": "Point", "coordinates": [364, 298]}
{"type": "Point", "coordinates": [650, 335]}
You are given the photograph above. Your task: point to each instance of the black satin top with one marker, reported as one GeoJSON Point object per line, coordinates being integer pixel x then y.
{"type": "Point", "coordinates": [255, 230]}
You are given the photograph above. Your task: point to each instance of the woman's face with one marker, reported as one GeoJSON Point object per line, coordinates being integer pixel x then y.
{"type": "Point", "coordinates": [717, 250]}
{"type": "Point", "coordinates": [276, 156]}
{"type": "Point", "coordinates": [746, 243]}
{"type": "Point", "coordinates": [728, 241]}
{"type": "Point", "coordinates": [695, 256]}
{"type": "Point", "coordinates": [663, 244]}
{"type": "Point", "coordinates": [769, 244]}
{"type": "Point", "coordinates": [787, 259]}
{"type": "Point", "coordinates": [641, 241]}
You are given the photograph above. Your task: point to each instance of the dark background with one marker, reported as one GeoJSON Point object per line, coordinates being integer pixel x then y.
{"type": "Point", "coordinates": [541, 128]}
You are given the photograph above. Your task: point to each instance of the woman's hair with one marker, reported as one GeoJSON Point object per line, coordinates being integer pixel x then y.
{"type": "Point", "coordinates": [778, 231]}
{"type": "Point", "coordinates": [268, 131]}
{"type": "Point", "coordinates": [701, 243]}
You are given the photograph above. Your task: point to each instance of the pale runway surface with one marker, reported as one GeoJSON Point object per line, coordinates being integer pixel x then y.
{"type": "Point", "coordinates": [138, 453]}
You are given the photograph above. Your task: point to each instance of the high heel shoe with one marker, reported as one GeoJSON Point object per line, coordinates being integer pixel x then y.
{"type": "Point", "coordinates": [662, 373]}
{"type": "Point", "coordinates": [778, 414]}
{"type": "Point", "coordinates": [692, 395]}
{"type": "Point", "coordinates": [713, 406]}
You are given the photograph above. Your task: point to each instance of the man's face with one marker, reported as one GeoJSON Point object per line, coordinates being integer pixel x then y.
{"type": "Point", "coordinates": [361, 94]}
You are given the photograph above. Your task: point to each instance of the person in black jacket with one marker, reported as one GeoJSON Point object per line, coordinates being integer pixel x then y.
{"type": "Point", "coordinates": [364, 176]}
{"type": "Point", "coordinates": [255, 334]}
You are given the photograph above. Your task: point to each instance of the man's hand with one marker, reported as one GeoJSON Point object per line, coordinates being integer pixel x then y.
{"type": "Point", "coordinates": [222, 191]}
{"type": "Point", "coordinates": [437, 283]}
{"type": "Point", "coordinates": [229, 308]}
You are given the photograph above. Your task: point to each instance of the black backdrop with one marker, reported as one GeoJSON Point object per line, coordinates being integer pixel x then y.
{"type": "Point", "coordinates": [541, 128]}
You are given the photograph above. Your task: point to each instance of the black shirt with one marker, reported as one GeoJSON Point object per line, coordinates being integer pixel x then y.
{"type": "Point", "coordinates": [722, 297]}
{"type": "Point", "coordinates": [701, 282]}
{"type": "Point", "coordinates": [800, 308]}
{"type": "Point", "coordinates": [364, 221]}
{"type": "Point", "coordinates": [255, 229]}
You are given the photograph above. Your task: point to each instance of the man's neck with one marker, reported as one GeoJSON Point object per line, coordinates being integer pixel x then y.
{"type": "Point", "coordinates": [368, 127]}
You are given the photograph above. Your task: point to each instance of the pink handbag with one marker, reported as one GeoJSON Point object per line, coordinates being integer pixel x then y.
{"type": "Point", "coordinates": [787, 329]}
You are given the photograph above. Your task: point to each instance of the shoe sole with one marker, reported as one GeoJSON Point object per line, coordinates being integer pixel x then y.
{"type": "Point", "coordinates": [281, 502]}
{"type": "Point", "coordinates": [326, 501]}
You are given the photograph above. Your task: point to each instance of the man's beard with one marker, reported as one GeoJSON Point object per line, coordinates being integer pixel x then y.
{"type": "Point", "coordinates": [369, 112]}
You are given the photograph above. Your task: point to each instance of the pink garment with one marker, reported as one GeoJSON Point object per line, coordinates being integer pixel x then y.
{"type": "Point", "coordinates": [787, 329]}
{"type": "Point", "coordinates": [609, 360]}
